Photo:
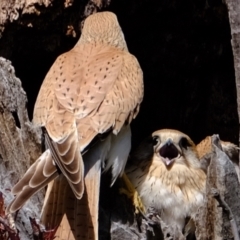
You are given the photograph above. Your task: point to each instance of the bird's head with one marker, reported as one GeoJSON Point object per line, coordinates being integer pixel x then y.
{"type": "Point", "coordinates": [103, 27]}
{"type": "Point", "coordinates": [174, 147]}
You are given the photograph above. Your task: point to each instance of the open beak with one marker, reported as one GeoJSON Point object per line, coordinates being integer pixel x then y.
{"type": "Point", "coordinates": [168, 152]}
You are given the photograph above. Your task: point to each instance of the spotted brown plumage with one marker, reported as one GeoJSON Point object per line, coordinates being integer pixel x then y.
{"type": "Point", "coordinates": [93, 89]}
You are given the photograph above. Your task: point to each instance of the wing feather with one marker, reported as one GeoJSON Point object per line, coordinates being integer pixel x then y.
{"type": "Point", "coordinates": [87, 91]}
{"type": "Point", "coordinates": [38, 175]}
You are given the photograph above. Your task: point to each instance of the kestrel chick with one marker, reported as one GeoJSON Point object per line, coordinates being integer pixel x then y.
{"type": "Point", "coordinates": [87, 101]}
{"type": "Point", "coordinates": [166, 172]}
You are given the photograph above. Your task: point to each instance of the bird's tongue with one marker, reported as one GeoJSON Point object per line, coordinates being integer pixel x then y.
{"type": "Point", "coordinates": [168, 161]}
{"type": "Point", "coordinates": [168, 152]}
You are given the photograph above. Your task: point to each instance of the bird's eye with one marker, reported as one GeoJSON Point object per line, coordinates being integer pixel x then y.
{"type": "Point", "coordinates": [184, 143]}
{"type": "Point", "coordinates": [155, 140]}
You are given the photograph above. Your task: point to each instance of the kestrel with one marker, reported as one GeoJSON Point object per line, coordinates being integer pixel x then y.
{"type": "Point", "coordinates": [85, 105]}
{"type": "Point", "coordinates": [166, 172]}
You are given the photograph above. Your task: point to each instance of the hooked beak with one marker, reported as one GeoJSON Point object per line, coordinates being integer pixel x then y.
{"type": "Point", "coordinates": [168, 152]}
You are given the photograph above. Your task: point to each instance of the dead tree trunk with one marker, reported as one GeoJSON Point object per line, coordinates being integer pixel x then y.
{"type": "Point", "coordinates": [234, 19]}
{"type": "Point", "coordinates": [19, 146]}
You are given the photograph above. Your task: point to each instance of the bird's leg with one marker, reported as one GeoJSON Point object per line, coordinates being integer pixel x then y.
{"type": "Point", "coordinates": [132, 193]}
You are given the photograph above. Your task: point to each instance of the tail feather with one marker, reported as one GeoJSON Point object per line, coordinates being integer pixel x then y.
{"type": "Point", "coordinates": [88, 206]}
{"type": "Point", "coordinates": [59, 197]}
{"type": "Point", "coordinates": [82, 214]}
{"type": "Point", "coordinates": [54, 206]}
{"type": "Point", "coordinates": [64, 231]}
{"type": "Point", "coordinates": [77, 219]}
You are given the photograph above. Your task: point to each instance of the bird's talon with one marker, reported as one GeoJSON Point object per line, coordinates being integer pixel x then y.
{"type": "Point", "coordinates": [139, 208]}
{"type": "Point", "coordinates": [132, 193]}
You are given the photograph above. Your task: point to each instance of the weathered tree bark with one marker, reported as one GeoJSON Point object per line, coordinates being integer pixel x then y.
{"type": "Point", "coordinates": [15, 10]}
{"type": "Point", "coordinates": [11, 10]}
{"type": "Point", "coordinates": [213, 220]}
{"type": "Point", "coordinates": [234, 19]}
{"type": "Point", "coordinates": [19, 146]}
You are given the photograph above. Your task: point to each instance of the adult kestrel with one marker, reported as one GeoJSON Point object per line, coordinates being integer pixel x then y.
{"type": "Point", "coordinates": [87, 101]}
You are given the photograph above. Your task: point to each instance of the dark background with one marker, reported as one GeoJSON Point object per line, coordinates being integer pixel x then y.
{"type": "Point", "coordinates": [184, 49]}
